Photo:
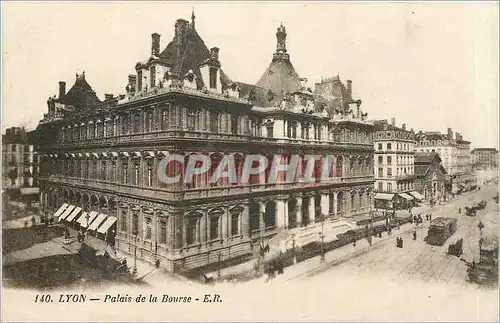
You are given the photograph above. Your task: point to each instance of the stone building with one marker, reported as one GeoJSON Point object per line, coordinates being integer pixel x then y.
{"type": "Point", "coordinates": [430, 176]}
{"type": "Point", "coordinates": [485, 158]}
{"type": "Point", "coordinates": [104, 156]}
{"type": "Point", "coordinates": [455, 154]}
{"type": "Point", "coordinates": [394, 165]}
{"type": "Point", "coordinates": [20, 166]}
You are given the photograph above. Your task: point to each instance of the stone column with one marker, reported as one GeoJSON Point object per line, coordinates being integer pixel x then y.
{"type": "Point", "coordinates": [280, 214]}
{"type": "Point", "coordinates": [224, 222]}
{"type": "Point", "coordinates": [203, 229]}
{"type": "Point", "coordinates": [245, 222]}
{"type": "Point", "coordinates": [262, 209]}
{"type": "Point", "coordinates": [325, 204]}
{"type": "Point", "coordinates": [335, 203]}
{"type": "Point", "coordinates": [299, 211]}
{"type": "Point", "coordinates": [312, 210]}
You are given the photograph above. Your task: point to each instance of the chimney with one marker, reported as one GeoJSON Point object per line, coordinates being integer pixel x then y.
{"type": "Point", "coordinates": [108, 96]}
{"type": "Point", "coordinates": [450, 134]}
{"type": "Point", "coordinates": [349, 88]}
{"type": "Point", "coordinates": [393, 121]}
{"type": "Point", "coordinates": [62, 89]}
{"type": "Point", "coordinates": [403, 126]}
{"type": "Point", "coordinates": [457, 135]}
{"type": "Point", "coordinates": [214, 52]}
{"type": "Point", "coordinates": [303, 82]}
{"type": "Point", "coordinates": [155, 44]}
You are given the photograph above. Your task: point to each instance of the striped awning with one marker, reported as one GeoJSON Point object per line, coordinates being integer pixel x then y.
{"type": "Point", "coordinates": [60, 210]}
{"type": "Point", "coordinates": [95, 224]}
{"type": "Point", "coordinates": [384, 196]}
{"type": "Point", "coordinates": [66, 212]}
{"type": "Point", "coordinates": [417, 195]}
{"type": "Point", "coordinates": [106, 225]}
{"type": "Point", "coordinates": [406, 196]}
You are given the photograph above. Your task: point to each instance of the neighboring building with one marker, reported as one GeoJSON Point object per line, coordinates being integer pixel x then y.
{"type": "Point", "coordinates": [20, 166]}
{"type": "Point", "coordinates": [104, 156]}
{"type": "Point", "coordinates": [455, 156]}
{"type": "Point", "coordinates": [485, 158]}
{"type": "Point", "coordinates": [393, 165]}
{"type": "Point", "coordinates": [430, 176]}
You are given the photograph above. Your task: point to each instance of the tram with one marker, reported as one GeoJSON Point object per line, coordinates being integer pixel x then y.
{"type": "Point", "coordinates": [440, 229]}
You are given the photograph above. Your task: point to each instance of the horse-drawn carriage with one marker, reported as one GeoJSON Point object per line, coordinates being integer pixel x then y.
{"type": "Point", "coordinates": [456, 249]}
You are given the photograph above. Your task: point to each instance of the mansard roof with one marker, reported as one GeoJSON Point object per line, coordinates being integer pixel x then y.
{"type": "Point", "coordinates": [81, 94]}
{"type": "Point", "coordinates": [280, 78]}
{"type": "Point", "coordinates": [332, 94]}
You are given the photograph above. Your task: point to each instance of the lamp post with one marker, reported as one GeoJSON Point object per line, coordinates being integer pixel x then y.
{"type": "Point", "coordinates": [371, 220]}
{"type": "Point", "coordinates": [322, 236]}
{"type": "Point", "coordinates": [135, 233]}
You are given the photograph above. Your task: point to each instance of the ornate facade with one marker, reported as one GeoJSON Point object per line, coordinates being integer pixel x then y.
{"type": "Point", "coordinates": [103, 155]}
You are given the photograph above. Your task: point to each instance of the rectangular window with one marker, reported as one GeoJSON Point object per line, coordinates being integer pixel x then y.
{"type": "Point", "coordinates": [163, 232]}
{"type": "Point", "coordinates": [136, 174]}
{"type": "Point", "coordinates": [380, 172]}
{"type": "Point", "coordinates": [152, 75]}
{"type": "Point", "coordinates": [124, 173]}
{"type": "Point", "coordinates": [164, 119]}
{"type": "Point", "coordinates": [213, 77]}
{"type": "Point", "coordinates": [389, 187]}
{"type": "Point", "coordinates": [139, 80]}
{"type": "Point", "coordinates": [135, 224]}
{"type": "Point", "coordinates": [191, 120]}
{"type": "Point", "coordinates": [235, 224]}
{"type": "Point", "coordinates": [103, 171]}
{"type": "Point", "coordinates": [214, 121]}
{"type": "Point", "coordinates": [14, 148]}
{"type": "Point", "coordinates": [389, 172]}
{"type": "Point", "coordinates": [389, 160]}
{"type": "Point", "coordinates": [380, 186]}
{"type": "Point", "coordinates": [389, 146]}
{"type": "Point", "coordinates": [136, 124]}
{"type": "Point", "coordinates": [234, 124]}
{"type": "Point", "coordinates": [214, 227]}
{"type": "Point", "coordinates": [379, 146]}
{"type": "Point", "coordinates": [150, 175]}
{"type": "Point", "coordinates": [380, 159]}
{"type": "Point", "coordinates": [270, 131]}
{"type": "Point", "coordinates": [191, 229]}
{"type": "Point", "coordinates": [147, 232]}
{"type": "Point", "coordinates": [149, 121]}
{"type": "Point", "coordinates": [123, 226]}
{"type": "Point", "coordinates": [113, 172]}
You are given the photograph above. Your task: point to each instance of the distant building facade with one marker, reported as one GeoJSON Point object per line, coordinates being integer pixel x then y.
{"type": "Point", "coordinates": [20, 165]}
{"type": "Point", "coordinates": [455, 155]}
{"type": "Point", "coordinates": [393, 165]}
{"type": "Point", "coordinates": [103, 156]}
{"type": "Point", "coordinates": [430, 174]}
{"type": "Point", "coordinates": [485, 158]}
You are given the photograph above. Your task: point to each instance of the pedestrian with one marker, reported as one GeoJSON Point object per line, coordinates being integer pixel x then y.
{"type": "Point", "coordinates": [459, 210]}
{"type": "Point", "coordinates": [397, 242]}
{"type": "Point", "coordinates": [354, 242]}
{"type": "Point", "coordinates": [33, 221]}
{"type": "Point", "coordinates": [414, 235]}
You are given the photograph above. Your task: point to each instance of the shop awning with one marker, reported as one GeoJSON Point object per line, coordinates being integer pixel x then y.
{"type": "Point", "coordinates": [29, 190]}
{"type": "Point", "coordinates": [100, 218]}
{"type": "Point", "coordinates": [83, 218]}
{"type": "Point", "coordinates": [66, 212]}
{"type": "Point", "coordinates": [73, 214]}
{"type": "Point", "coordinates": [406, 196]}
{"type": "Point", "coordinates": [384, 196]}
{"type": "Point", "coordinates": [417, 195]}
{"type": "Point", "coordinates": [60, 210]}
{"type": "Point", "coordinates": [106, 225]}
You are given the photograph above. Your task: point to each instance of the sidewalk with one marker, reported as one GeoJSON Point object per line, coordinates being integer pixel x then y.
{"type": "Point", "coordinates": [341, 254]}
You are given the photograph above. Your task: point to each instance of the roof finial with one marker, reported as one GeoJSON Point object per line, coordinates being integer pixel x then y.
{"type": "Point", "coordinates": [192, 17]}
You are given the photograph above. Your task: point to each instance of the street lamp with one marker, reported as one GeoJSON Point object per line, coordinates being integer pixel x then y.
{"type": "Point", "coordinates": [371, 220]}
{"type": "Point", "coordinates": [135, 233]}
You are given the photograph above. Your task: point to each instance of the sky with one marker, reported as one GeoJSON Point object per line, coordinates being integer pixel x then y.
{"type": "Point", "coordinates": [432, 66]}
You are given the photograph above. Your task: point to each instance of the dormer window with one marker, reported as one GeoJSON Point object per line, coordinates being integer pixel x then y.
{"type": "Point", "coordinates": [152, 76]}
{"type": "Point", "coordinates": [270, 95]}
{"type": "Point", "coordinates": [213, 77]}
